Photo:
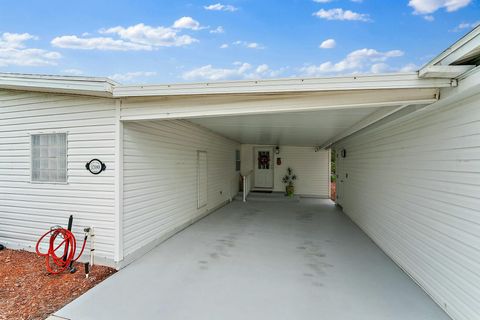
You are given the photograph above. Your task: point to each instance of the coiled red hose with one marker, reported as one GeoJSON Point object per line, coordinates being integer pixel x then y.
{"type": "Point", "coordinates": [54, 262]}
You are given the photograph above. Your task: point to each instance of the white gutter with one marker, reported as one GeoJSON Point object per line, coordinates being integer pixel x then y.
{"type": "Point", "coordinates": [354, 82]}
{"type": "Point", "coordinates": [92, 86]}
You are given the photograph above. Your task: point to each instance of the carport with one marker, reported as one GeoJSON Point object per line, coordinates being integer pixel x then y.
{"type": "Point", "coordinates": [405, 145]}
{"type": "Point", "coordinates": [406, 217]}
{"type": "Point", "coordinates": [204, 126]}
{"type": "Point", "coordinates": [188, 149]}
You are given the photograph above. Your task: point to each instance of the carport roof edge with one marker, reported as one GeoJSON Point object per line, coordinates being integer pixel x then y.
{"type": "Point", "coordinates": [104, 87]}
{"type": "Point", "coordinates": [427, 77]}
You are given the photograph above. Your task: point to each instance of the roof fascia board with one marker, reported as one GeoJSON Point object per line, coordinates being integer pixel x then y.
{"type": "Point", "coordinates": [458, 50]}
{"type": "Point", "coordinates": [448, 72]}
{"type": "Point", "coordinates": [226, 105]}
{"type": "Point", "coordinates": [365, 82]}
{"type": "Point", "coordinates": [102, 87]}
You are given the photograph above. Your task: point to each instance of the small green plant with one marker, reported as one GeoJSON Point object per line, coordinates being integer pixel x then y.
{"type": "Point", "coordinates": [288, 180]}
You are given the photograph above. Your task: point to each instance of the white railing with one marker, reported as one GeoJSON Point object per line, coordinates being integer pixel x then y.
{"type": "Point", "coordinates": [247, 185]}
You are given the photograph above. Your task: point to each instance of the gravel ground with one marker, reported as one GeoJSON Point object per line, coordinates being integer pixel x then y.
{"type": "Point", "coordinates": [27, 291]}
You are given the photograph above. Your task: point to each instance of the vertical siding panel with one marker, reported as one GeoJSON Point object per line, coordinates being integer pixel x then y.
{"type": "Point", "coordinates": [414, 186]}
{"type": "Point", "coordinates": [160, 177]}
{"type": "Point", "coordinates": [29, 209]}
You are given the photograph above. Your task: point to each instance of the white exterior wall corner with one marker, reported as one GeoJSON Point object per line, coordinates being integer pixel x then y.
{"type": "Point", "coordinates": [311, 168]}
{"type": "Point", "coordinates": [27, 210]}
{"type": "Point", "coordinates": [160, 179]}
{"type": "Point", "coordinates": [414, 187]}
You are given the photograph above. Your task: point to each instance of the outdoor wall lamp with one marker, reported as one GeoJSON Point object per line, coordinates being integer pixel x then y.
{"type": "Point", "coordinates": [277, 150]}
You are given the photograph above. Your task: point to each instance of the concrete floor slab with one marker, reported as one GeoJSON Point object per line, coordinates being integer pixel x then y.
{"type": "Point", "coordinates": [261, 260]}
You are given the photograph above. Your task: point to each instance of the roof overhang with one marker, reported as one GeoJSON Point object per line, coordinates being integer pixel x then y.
{"type": "Point", "coordinates": [91, 86]}
{"type": "Point", "coordinates": [105, 87]}
{"type": "Point", "coordinates": [348, 83]}
{"type": "Point", "coordinates": [461, 57]}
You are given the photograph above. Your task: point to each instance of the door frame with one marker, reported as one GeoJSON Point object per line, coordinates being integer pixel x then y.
{"type": "Point", "coordinates": [272, 166]}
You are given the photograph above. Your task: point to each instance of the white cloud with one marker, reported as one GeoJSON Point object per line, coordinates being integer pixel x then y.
{"type": "Point", "coordinates": [239, 70]}
{"type": "Point", "coordinates": [328, 44]}
{"type": "Point", "coordinates": [208, 72]}
{"type": "Point", "coordinates": [151, 36]}
{"type": "Point", "coordinates": [340, 14]}
{"type": "Point", "coordinates": [130, 76]}
{"type": "Point", "coordinates": [381, 67]}
{"type": "Point", "coordinates": [224, 46]}
{"type": "Point", "coordinates": [15, 40]}
{"type": "Point", "coordinates": [132, 38]}
{"type": "Point", "coordinates": [362, 60]}
{"type": "Point", "coordinates": [97, 43]}
{"type": "Point", "coordinates": [249, 45]}
{"type": "Point", "coordinates": [322, 1]}
{"type": "Point", "coordinates": [221, 7]}
{"type": "Point", "coordinates": [429, 18]}
{"type": "Point", "coordinates": [73, 72]}
{"type": "Point", "coordinates": [218, 29]}
{"type": "Point", "coordinates": [262, 68]}
{"type": "Point", "coordinates": [430, 6]}
{"type": "Point", "coordinates": [187, 23]}
{"type": "Point", "coordinates": [13, 51]}
{"type": "Point", "coordinates": [466, 25]}
{"type": "Point", "coordinates": [410, 67]}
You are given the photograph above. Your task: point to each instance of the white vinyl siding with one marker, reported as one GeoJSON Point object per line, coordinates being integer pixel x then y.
{"type": "Point", "coordinates": [202, 173]}
{"type": "Point", "coordinates": [28, 209]}
{"type": "Point", "coordinates": [160, 178]}
{"type": "Point", "coordinates": [413, 187]}
{"type": "Point", "coordinates": [311, 168]}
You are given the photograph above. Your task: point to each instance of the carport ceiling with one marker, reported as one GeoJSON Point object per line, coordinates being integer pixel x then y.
{"type": "Point", "coordinates": [295, 128]}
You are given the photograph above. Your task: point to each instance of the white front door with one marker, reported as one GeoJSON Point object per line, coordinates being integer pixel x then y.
{"type": "Point", "coordinates": [263, 164]}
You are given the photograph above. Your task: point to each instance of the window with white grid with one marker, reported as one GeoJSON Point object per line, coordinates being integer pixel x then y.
{"type": "Point", "coordinates": [49, 157]}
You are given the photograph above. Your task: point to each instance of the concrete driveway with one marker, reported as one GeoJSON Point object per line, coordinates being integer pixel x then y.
{"type": "Point", "coordinates": [261, 260]}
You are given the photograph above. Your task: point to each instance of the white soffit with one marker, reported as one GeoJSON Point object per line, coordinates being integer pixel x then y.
{"type": "Point", "coordinates": [311, 128]}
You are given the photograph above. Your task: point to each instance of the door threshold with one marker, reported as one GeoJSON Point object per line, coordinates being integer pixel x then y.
{"type": "Point", "coordinates": [262, 191]}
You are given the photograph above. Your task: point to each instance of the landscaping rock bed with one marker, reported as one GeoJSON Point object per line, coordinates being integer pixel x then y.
{"type": "Point", "coordinates": [27, 291]}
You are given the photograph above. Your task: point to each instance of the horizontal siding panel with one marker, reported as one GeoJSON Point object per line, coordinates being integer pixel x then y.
{"type": "Point", "coordinates": [160, 177]}
{"type": "Point", "coordinates": [29, 209]}
{"type": "Point", "coordinates": [413, 185]}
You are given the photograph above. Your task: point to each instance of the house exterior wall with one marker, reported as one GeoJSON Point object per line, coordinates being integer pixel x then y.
{"type": "Point", "coordinates": [160, 179]}
{"type": "Point", "coordinates": [27, 209]}
{"type": "Point", "coordinates": [311, 168]}
{"type": "Point", "coordinates": [413, 187]}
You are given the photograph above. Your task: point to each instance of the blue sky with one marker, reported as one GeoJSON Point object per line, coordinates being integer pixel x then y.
{"type": "Point", "coordinates": [183, 41]}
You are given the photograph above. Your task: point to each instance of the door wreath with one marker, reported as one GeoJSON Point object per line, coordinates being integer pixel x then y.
{"type": "Point", "coordinates": [263, 160]}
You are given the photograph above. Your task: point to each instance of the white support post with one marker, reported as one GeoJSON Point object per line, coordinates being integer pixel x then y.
{"type": "Point", "coordinates": [118, 245]}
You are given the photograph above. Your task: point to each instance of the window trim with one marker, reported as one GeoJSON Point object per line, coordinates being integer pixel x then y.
{"type": "Point", "coordinates": [30, 134]}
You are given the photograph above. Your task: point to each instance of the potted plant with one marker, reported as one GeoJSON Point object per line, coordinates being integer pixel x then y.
{"type": "Point", "coordinates": [288, 181]}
